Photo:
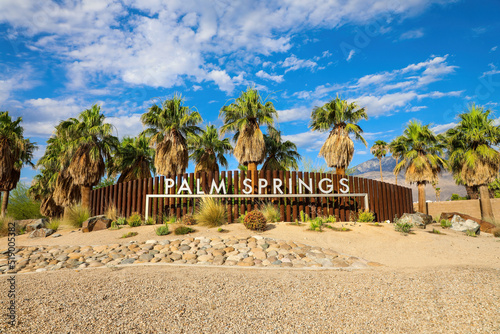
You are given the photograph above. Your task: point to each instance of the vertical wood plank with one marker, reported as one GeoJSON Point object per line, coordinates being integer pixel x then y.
{"type": "Point", "coordinates": [161, 200]}
{"type": "Point", "coordinates": [307, 200]}
{"type": "Point", "coordinates": [249, 201]}
{"type": "Point", "coordinates": [300, 200]}
{"type": "Point", "coordinates": [230, 201]}
{"type": "Point", "coordinates": [191, 187]}
{"type": "Point", "coordinates": [120, 197]}
{"type": "Point", "coordinates": [288, 201]}
{"type": "Point", "coordinates": [282, 199]}
{"type": "Point", "coordinates": [332, 200]}
{"type": "Point", "coordinates": [134, 195]}
{"type": "Point", "coordinates": [129, 198]}
{"type": "Point", "coordinates": [236, 191]}
{"type": "Point", "coordinates": [150, 191]}
{"type": "Point", "coordinates": [184, 200]}
{"type": "Point", "coordinates": [124, 199]}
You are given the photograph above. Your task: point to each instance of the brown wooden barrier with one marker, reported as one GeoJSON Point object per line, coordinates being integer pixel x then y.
{"type": "Point", "coordinates": [386, 200]}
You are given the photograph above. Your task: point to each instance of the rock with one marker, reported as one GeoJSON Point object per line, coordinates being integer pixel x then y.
{"type": "Point", "coordinates": [102, 224]}
{"type": "Point", "coordinates": [128, 261]}
{"type": "Point", "coordinates": [484, 226]}
{"type": "Point", "coordinates": [90, 224]}
{"type": "Point", "coordinates": [417, 219]}
{"type": "Point", "coordinates": [461, 225]}
{"type": "Point", "coordinates": [57, 235]}
{"type": "Point", "coordinates": [36, 224]}
{"type": "Point", "coordinates": [153, 242]}
{"type": "Point", "coordinates": [41, 233]}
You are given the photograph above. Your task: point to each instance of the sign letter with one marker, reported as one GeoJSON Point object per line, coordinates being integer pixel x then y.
{"type": "Point", "coordinates": [344, 182]}
{"type": "Point", "coordinates": [248, 185]}
{"type": "Point", "coordinates": [329, 188]}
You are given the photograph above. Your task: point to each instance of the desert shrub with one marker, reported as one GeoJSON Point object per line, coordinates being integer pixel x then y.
{"type": "Point", "coordinates": [54, 224]}
{"type": "Point", "coordinates": [21, 206]}
{"type": "Point", "coordinates": [457, 197]}
{"type": "Point", "coordinates": [255, 220]}
{"type": "Point", "coordinates": [338, 229]}
{"type": "Point", "coordinates": [404, 228]}
{"type": "Point", "coordinates": [183, 230]}
{"type": "Point", "coordinates": [167, 219]}
{"type": "Point", "coordinates": [331, 219]}
{"type": "Point", "coordinates": [470, 233]}
{"type": "Point", "coordinates": [135, 220]}
{"type": "Point", "coordinates": [316, 224]}
{"type": "Point", "coordinates": [220, 230]}
{"type": "Point", "coordinates": [241, 219]}
{"type": "Point", "coordinates": [445, 223]}
{"type": "Point", "coordinates": [496, 232]}
{"type": "Point", "coordinates": [121, 221]}
{"type": "Point", "coordinates": [111, 212]}
{"type": "Point", "coordinates": [162, 230]}
{"type": "Point", "coordinates": [188, 220]}
{"type": "Point", "coordinates": [150, 221]}
{"type": "Point", "coordinates": [271, 214]}
{"type": "Point", "coordinates": [77, 214]}
{"type": "Point", "coordinates": [129, 234]}
{"type": "Point", "coordinates": [304, 216]}
{"type": "Point", "coordinates": [4, 225]}
{"type": "Point", "coordinates": [366, 216]}
{"type": "Point", "coordinates": [436, 231]}
{"type": "Point", "coordinates": [114, 226]}
{"type": "Point", "coordinates": [211, 213]}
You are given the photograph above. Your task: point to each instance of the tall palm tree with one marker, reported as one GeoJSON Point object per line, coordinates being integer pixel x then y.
{"type": "Point", "coordinates": [245, 116]}
{"type": "Point", "coordinates": [379, 150]}
{"type": "Point", "coordinates": [134, 159]}
{"type": "Point", "coordinates": [421, 160]}
{"type": "Point", "coordinates": [90, 143]}
{"type": "Point", "coordinates": [397, 149]}
{"type": "Point", "coordinates": [208, 150]}
{"type": "Point", "coordinates": [15, 152]}
{"type": "Point", "coordinates": [281, 155]}
{"type": "Point", "coordinates": [472, 155]}
{"type": "Point", "coordinates": [42, 189]}
{"type": "Point", "coordinates": [340, 118]}
{"type": "Point", "coordinates": [169, 124]}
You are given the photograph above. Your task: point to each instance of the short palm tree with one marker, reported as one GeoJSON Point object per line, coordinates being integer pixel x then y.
{"type": "Point", "coordinates": [90, 143]}
{"type": "Point", "coordinates": [208, 150]}
{"type": "Point", "coordinates": [134, 159]}
{"type": "Point", "coordinates": [472, 155]}
{"type": "Point", "coordinates": [340, 118]}
{"type": "Point", "coordinates": [422, 157]}
{"type": "Point", "coordinates": [245, 116]}
{"type": "Point", "coordinates": [15, 152]}
{"type": "Point", "coordinates": [379, 150]}
{"type": "Point", "coordinates": [281, 155]}
{"type": "Point", "coordinates": [397, 149]}
{"type": "Point", "coordinates": [42, 189]}
{"type": "Point", "coordinates": [168, 126]}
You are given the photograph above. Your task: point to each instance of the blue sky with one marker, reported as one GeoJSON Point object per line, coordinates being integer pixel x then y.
{"type": "Point", "coordinates": [400, 59]}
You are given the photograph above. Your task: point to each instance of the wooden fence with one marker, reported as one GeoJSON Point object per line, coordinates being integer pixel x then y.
{"type": "Point", "coordinates": [385, 200]}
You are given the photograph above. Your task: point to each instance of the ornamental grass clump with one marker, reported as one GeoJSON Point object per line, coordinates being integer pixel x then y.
{"type": "Point", "coordinates": [316, 224]}
{"type": "Point", "coordinates": [270, 212]}
{"type": "Point", "coordinates": [366, 217]}
{"type": "Point", "coordinates": [211, 213]}
{"type": "Point", "coordinates": [54, 224]}
{"type": "Point", "coordinates": [255, 220]}
{"type": "Point", "coordinates": [162, 230]}
{"type": "Point", "coordinates": [135, 220]}
{"type": "Point", "coordinates": [445, 223]}
{"type": "Point", "coordinates": [183, 230]}
{"type": "Point", "coordinates": [404, 228]}
{"type": "Point", "coordinates": [77, 214]}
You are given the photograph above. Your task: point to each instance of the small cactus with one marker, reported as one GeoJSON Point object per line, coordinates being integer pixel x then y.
{"type": "Point", "coordinates": [255, 220]}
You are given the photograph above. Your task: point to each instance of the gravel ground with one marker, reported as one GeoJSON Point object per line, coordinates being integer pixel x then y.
{"type": "Point", "coordinates": [176, 299]}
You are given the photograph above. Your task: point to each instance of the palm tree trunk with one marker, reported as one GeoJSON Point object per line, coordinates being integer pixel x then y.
{"type": "Point", "coordinates": [421, 197]}
{"type": "Point", "coordinates": [85, 196]}
{"type": "Point", "coordinates": [340, 171]}
{"type": "Point", "coordinates": [380, 164]}
{"type": "Point", "coordinates": [252, 167]}
{"type": "Point", "coordinates": [396, 173]}
{"type": "Point", "coordinates": [5, 202]}
{"type": "Point", "coordinates": [486, 210]}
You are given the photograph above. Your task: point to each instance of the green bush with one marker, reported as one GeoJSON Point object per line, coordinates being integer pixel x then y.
{"type": "Point", "coordinates": [129, 234]}
{"type": "Point", "coordinates": [496, 232]}
{"type": "Point", "coordinates": [470, 233]}
{"type": "Point", "coordinates": [404, 228]}
{"type": "Point", "coordinates": [188, 220]}
{"type": "Point", "coordinates": [316, 224]}
{"type": "Point", "coordinates": [211, 213]}
{"type": "Point", "coordinates": [255, 220]}
{"type": "Point", "coordinates": [121, 221]}
{"type": "Point", "coordinates": [436, 231]}
{"type": "Point", "coordinates": [114, 226]}
{"type": "Point", "coordinates": [135, 220]}
{"type": "Point", "coordinates": [445, 223]}
{"type": "Point", "coordinates": [457, 197]}
{"type": "Point", "coordinates": [304, 216]}
{"type": "Point", "coordinates": [54, 224]}
{"type": "Point", "coordinates": [162, 230]}
{"type": "Point", "coordinates": [77, 214]}
{"type": "Point", "coordinates": [183, 230]}
{"type": "Point", "coordinates": [169, 219]}
{"type": "Point", "coordinates": [21, 206]}
{"type": "Point", "coordinates": [366, 217]}
{"type": "Point", "coordinates": [331, 219]}
{"type": "Point", "coordinates": [150, 221]}
{"type": "Point", "coordinates": [271, 214]}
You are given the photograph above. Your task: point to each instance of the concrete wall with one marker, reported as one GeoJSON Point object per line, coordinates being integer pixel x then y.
{"type": "Point", "coordinates": [470, 207]}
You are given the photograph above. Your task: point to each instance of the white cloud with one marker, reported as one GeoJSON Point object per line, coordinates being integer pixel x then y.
{"type": "Point", "coordinates": [14, 80]}
{"type": "Point", "coordinates": [412, 34]}
{"type": "Point", "coordinates": [351, 54]}
{"type": "Point", "coordinates": [440, 128]}
{"type": "Point", "coordinates": [380, 105]}
{"type": "Point", "coordinates": [267, 76]}
{"type": "Point", "coordinates": [127, 125]}
{"type": "Point", "coordinates": [491, 72]}
{"type": "Point", "coordinates": [294, 114]}
{"type": "Point", "coordinates": [493, 49]}
{"type": "Point", "coordinates": [293, 63]}
{"type": "Point", "coordinates": [310, 141]}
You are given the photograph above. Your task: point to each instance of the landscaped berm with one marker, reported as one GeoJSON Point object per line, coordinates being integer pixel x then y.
{"type": "Point", "coordinates": [316, 276]}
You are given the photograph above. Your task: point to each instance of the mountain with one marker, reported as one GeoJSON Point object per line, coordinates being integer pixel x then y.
{"type": "Point", "coordinates": [370, 169]}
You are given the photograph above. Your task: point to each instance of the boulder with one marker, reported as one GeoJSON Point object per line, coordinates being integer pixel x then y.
{"type": "Point", "coordinates": [90, 224]}
{"type": "Point", "coordinates": [41, 233]}
{"type": "Point", "coordinates": [463, 225]}
{"type": "Point", "coordinates": [417, 219]}
{"type": "Point", "coordinates": [484, 226]}
{"type": "Point", "coordinates": [31, 224]}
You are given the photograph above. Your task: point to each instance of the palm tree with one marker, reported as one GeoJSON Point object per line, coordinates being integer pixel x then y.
{"type": "Point", "coordinates": [281, 155]}
{"type": "Point", "coordinates": [472, 156]}
{"type": "Point", "coordinates": [342, 118]}
{"type": "Point", "coordinates": [169, 124]}
{"type": "Point", "coordinates": [208, 150]}
{"type": "Point", "coordinates": [379, 150]}
{"type": "Point", "coordinates": [42, 189]}
{"type": "Point", "coordinates": [90, 143]}
{"type": "Point", "coordinates": [421, 159]}
{"type": "Point", "coordinates": [15, 152]}
{"type": "Point", "coordinates": [397, 149]}
{"type": "Point", "coordinates": [244, 116]}
{"type": "Point", "coordinates": [134, 159]}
